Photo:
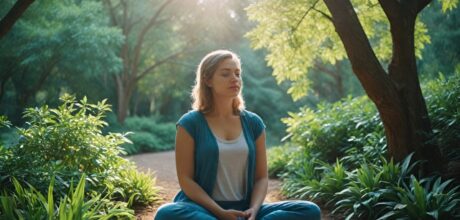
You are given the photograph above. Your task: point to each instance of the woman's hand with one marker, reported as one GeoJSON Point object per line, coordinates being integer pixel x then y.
{"type": "Point", "coordinates": [251, 214]}
{"type": "Point", "coordinates": [231, 214]}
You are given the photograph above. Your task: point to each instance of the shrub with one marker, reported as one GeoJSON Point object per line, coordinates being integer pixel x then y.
{"type": "Point", "coordinates": [277, 159]}
{"type": "Point", "coordinates": [334, 128]}
{"type": "Point", "coordinates": [443, 98]}
{"type": "Point", "coordinates": [362, 183]}
{"type": "Point", "coordinates": [148, 135]}
{"type": "Point", "coordinates": [425, 199]}
{"type": "Point", "coordinates": [135, 188]}
{"type": "Point", "coordinates": [66, 142]}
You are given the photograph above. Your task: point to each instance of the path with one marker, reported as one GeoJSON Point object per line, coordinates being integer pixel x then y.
{"type": "Point", "coordinates": [163, 164]}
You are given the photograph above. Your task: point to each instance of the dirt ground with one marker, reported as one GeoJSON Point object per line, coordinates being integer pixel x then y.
{"type": "Point", "coordinates": [163, 165]}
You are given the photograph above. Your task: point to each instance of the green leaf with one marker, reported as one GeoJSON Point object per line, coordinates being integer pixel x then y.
{"type": "Point", "coordinates": [449, 5]}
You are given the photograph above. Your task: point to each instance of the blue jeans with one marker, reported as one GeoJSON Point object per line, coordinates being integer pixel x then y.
{"type": "Point", "coordinates": [285, 210]}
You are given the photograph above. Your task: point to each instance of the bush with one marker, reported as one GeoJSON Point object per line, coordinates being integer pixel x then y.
{"type": "Point", "coordinates": [362, 183]}
{"type": "Point", "coordinates": [443, 98]}
{"type": "Point", "coordinates": [147, 134]}
{"type": "Point", "coordinates": [133, 187]}
{"type": "Point", "coordinates": [277, 159]}
{"type": "Point", "coordinates": [64, 144]}
{"type": "Point", "coordinates": [333, 129]}
{"type": "Point", "coordinates": [425, 199]}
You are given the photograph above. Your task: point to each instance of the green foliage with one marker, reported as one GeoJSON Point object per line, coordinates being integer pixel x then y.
{"type": "Point", "coordinates": [449, 5]}
{"type": "Point", "coordinates": [4, 121]}
{"type": "Point", "coordinates": [299, 34]}
{"type": "Point", "coordinates": [277, 159]}
{"type": "Point", "coordinates": [442, 54]}
{"type": "Point", "coordinates": [352, 124]}
{"type": "Point", "coordinates": [321, 187]}
{"type": "Point", "coordinates": [66, 142]}
{"type": "Point", "coordinates": [29, 203]}
{"type": "Point", "coordinates": [424, 199]}
{"type": "Point", "coordinates": [365, 187]}
{"type": "Point", "coordinates": [70, 135]}
{"type": "Point", "coordinates": [147, 134]}
{"type": "Point", "coordinates": [56, 46]}
{"type": "Point", "coordinates": [362, 184]}
{"type": "Point", "coordinates": [135, 188]}
{"type": "Point", "coordinates": [444, 111]}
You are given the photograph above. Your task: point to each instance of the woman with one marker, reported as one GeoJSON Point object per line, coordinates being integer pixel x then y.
{"type": "Point", "coordinates": [220, 153]}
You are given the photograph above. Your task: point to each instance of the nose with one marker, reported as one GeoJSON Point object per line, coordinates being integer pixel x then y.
{"type": "Point", "coordinates": [236, 77]}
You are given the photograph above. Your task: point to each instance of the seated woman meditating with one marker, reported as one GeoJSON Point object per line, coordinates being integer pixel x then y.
{"type": "Point", "coordinates": [220, 153]}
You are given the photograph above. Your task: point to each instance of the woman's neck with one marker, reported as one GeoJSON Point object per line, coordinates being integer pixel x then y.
{"type": "Point", "coordinates": [222, 108]}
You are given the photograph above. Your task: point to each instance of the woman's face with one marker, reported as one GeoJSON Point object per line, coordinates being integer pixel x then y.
{"type": "Point", "coordinates": [226, 81]}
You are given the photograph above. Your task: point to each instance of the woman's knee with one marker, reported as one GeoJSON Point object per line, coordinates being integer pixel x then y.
{"type": "Point", "coordinates": [182, 211]}
{"type": "Point", "coordinates": [309, 209]}
{"type": "Point", "coordinates": [166, 211]}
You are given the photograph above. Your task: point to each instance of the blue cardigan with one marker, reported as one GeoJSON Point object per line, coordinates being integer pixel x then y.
{"type": "Point", "coordinates": [206, 153]}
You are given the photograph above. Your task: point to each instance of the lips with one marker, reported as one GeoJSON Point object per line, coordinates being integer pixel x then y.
{"type": "Point", "coordinates": [235, 87]}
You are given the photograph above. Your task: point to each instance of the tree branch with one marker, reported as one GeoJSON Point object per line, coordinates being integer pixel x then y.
{"type": "Point", "coordinates": [421, 4]}
{"type": "Point", "coordinates": [303, 16]}
{"type": "Point", "coordinates": [158, 63]}
{"type": "Point", "coordinates": [140, 39]}
{"type": "Point", "coordinates": [320, 67]}
{"type": "Point", "coordinates": [113, 18]}
{"type": "Point", "coordinates": [324, 14]}
{"type": "Point", "coordinates": [391, 8]}
{"type": "Point", "coordinates": [13, 15]}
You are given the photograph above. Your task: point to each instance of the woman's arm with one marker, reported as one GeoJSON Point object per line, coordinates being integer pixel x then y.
{"type": "Point", "coordinates": [185, 164]}
{"type": "Point", "coordinates": [261, 178]}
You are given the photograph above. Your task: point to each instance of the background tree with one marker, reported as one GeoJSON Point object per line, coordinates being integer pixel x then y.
{"type": "Point", "coordinates": [149, 43]}
{"type": "Point", "coordinates": [443, 53]}
{"type": "Point", "coordinates": [13, 15]}
{"type": "Point", "coordinates": [396, 91]}
{"type": "Point", "coordinates": [54, 43]}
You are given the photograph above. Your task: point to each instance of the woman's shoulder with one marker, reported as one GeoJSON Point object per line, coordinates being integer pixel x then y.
{"type": "Point", "coordinates": [190, 121]}
{"type": "Point", "coordinates": [255, 122]}
{"type": "Point", "coordinates": [191, 115]}
{"type": "Point", "coordinates": [251, 115]}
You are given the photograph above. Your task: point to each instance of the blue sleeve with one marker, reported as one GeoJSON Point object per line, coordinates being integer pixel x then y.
{"type": "Point", "coordinates": [258, 125]}
{"type": "Point", "coordinates": [188, 122]}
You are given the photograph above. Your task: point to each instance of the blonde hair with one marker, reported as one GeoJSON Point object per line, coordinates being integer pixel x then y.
{"type": "Point", "coordinates": [201, 93]}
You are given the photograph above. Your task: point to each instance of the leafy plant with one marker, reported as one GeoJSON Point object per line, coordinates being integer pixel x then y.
{"type": "Point", "coordinates": [147, 134]}
{"type": "Point", "coordinates": [443, 96]}
{"type": "Point", "coordinates": [64, 142]}
{"type": "Point", "coordinates": [425, 199]}
{"type": "Point", "coordinates": [29, 203]}
{"type": "Point", "coordinates": [59, 146]}
{"type": "Point", "coordinates": [135, 188]}
{"type": "Point", "coordinates": [334, 128]}
{"type": "Point", "coordinates": [277, 159]}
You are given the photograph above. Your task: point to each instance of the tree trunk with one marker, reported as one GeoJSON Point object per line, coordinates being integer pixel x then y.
{"type": "Point", "coordinates": [13, 15]}
{"type": "Point", "coordinates": [397, 95]}
{"type": "Point", "coordinates": [403, 72]}
{"type": "Point", "coordinates": [339, 81]}
{"type": "Point", "coordinates": [128, 79]}
{"type": "Point", "coordinates": [124, 94]}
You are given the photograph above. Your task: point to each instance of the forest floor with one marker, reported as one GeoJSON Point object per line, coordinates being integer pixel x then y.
{"type": "Point", "coordinates": [163, 166]}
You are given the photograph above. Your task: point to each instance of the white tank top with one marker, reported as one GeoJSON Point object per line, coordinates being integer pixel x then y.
{"type": "Point", "coordinates": [232, 169]}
